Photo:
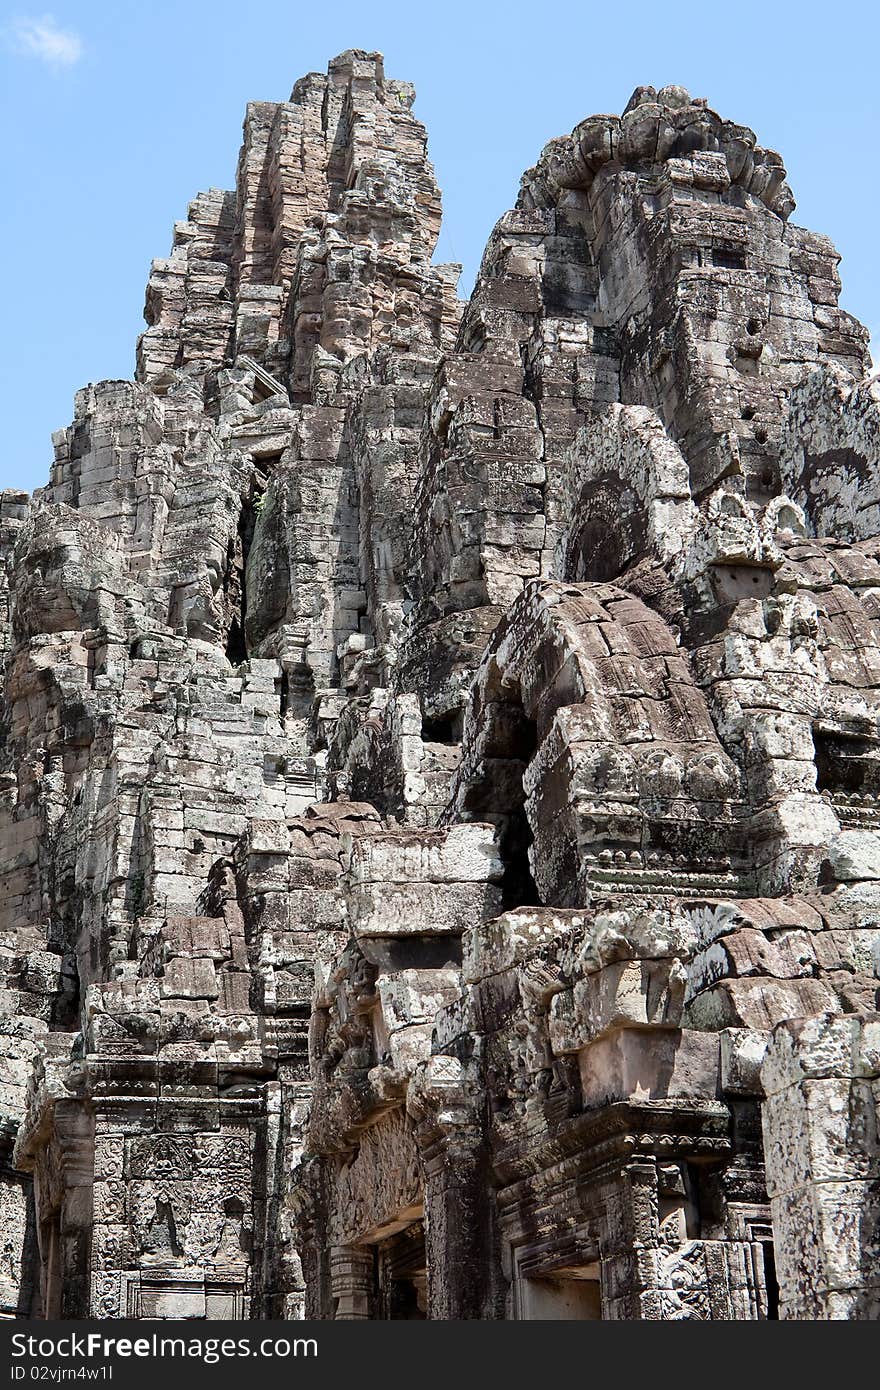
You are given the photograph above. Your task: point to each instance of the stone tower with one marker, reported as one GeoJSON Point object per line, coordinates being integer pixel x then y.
{"type": "Point", "coordinates": [440, 815]}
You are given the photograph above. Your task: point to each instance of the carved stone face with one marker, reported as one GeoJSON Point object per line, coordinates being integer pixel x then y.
{"type": "Point", "coordinates": [44, 599]}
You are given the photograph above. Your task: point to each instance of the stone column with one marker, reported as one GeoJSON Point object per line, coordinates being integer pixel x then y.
{"type": "Point", "coordinates": [306, 1210]}
{"type": "Point", "coordinates": [352, 1283]}
{"type": "Point", "coordinates": [455, 1202]}
{"type": "Point", "coordinates": [464, 1269]}
{"type": "Point", "coordinates": [75, 1135]}
{"type": "Point", "coordinates": [56, 1143]}
{"type": "Point", "coordinates": [822, 1159]}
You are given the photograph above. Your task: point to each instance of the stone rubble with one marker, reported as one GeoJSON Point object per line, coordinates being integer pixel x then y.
{"type": "Point", "coordinates": [440, 797]}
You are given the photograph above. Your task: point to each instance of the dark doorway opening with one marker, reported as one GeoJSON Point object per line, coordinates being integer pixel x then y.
{"type": "Point", "coordinates": [402, 1276]}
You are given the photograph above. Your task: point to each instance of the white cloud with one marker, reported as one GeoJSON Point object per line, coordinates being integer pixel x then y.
{"type": "Point", "coordinates": [42, 38]}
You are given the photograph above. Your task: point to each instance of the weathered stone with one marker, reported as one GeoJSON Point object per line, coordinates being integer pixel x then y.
{"type": "Point", "coordinates": [440, 791]}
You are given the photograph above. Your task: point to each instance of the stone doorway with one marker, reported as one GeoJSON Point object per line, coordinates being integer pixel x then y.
{"type": "Point", "coordinates": [402, 1276]}
{"type": "Point", "coordinates": [557, 1293]}
{"type": "Point", "coordinates": [570, 1299]}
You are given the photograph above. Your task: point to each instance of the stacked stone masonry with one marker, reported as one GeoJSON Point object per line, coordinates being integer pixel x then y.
{"type": "Point", "coordinates": [440, 807]}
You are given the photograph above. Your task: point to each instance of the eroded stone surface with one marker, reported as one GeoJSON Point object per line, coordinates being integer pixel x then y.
{"type": "Point", "coordinates": [439, 825]}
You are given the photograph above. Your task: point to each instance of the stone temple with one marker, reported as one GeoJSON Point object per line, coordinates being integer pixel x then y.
{"type": "Point", "coordinates": [440, 818]}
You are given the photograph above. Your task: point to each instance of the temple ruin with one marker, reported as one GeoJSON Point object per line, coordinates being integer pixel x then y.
{"type": "Point", "coordinates": [440, 798]}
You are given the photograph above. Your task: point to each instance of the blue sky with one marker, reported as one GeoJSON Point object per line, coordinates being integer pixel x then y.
{"type": "Point", "coordinates": [115, 115]}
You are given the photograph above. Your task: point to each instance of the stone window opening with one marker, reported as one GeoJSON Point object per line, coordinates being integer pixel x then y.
{"type": "Point", "coordinates": [442, 728]}
{"type": "Point", "coordinates": [847, 764]}
{"type": "Point", "coordinates": [726, 259]}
